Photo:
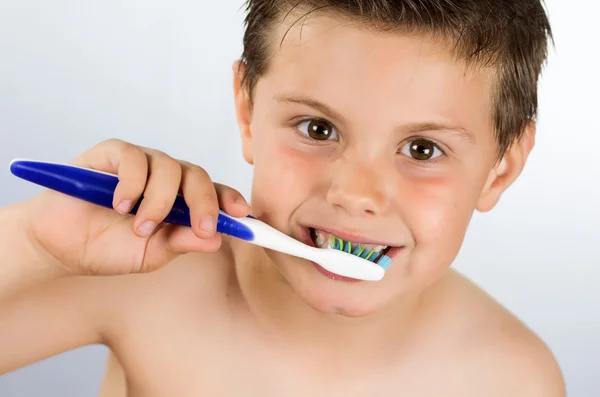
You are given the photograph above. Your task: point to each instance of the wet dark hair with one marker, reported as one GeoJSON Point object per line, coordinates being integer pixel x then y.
{"type": "Point", "coordinates": [510, 36]}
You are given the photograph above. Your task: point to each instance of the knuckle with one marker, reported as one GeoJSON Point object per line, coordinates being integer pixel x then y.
{"type": "Point", "coordinates": [132, 153]}
{"type": "Point", "coordinates": [166, 163]}
{"type": "Point", "coordinates": [173, 167]}
{"type": "Point", "coordinates": [113, 142]}
{"type": "Point", "coordinates": [199, 174]}
{"type": "Point", "coordinates": [113, 145]}
{"type": "Point", "coordinates": [153, 151]}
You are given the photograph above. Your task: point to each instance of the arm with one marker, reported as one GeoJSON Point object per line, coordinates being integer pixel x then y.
{"type": "Point", "coordinates": [23, 263]}
{"type": "Point", "coordinates": [516, 362]}
{"type": "Point", "coordinates": [114, 383]}
{"type": "Point", "coordinates": [44, 310]}
{"type": "Point", "coordinates": [543, 376]}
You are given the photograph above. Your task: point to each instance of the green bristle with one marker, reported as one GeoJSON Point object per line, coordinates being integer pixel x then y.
{"type": "Point", "coordinates": [358, 250]}
{"type": "Point", "coordinates": [370, 255]}
{"type": "Point", "coordinates": [348, 246]}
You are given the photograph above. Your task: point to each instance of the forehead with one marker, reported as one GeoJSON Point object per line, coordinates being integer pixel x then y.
{"type": "Point", "coordinates": [343, 62]}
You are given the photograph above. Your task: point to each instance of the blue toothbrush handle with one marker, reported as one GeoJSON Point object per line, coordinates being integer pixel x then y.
{"type": "Point", "coordinates": [98, 188]}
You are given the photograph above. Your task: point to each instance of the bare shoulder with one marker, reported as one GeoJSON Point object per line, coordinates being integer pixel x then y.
{"type": "Point", "coordinates": [186, 295]}
{"type": "Point", "coordinates": [498, 349]}
{"type": "Point", "coordinates": [196, 282]}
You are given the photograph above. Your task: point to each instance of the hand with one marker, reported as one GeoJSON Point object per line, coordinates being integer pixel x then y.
{"type": "Point", "coordinates": [88, 239]}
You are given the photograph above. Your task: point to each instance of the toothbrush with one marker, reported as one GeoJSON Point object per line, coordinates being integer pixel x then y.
{"type": "Point", "coordinates": [98, 188]}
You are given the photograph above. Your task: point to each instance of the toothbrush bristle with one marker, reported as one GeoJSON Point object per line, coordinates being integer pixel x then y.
{"type": "Point", "coordinates": [371, 255]}
{"type": "Point", "coordinates": [385, 261]}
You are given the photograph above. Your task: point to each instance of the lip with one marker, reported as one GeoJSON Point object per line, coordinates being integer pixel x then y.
{"type": "Point", "coordinates": [348, 236]}
{"type": "Point", "coordinates": [306, 238]}
{"type": "Point", "coordinates": [305, 235]}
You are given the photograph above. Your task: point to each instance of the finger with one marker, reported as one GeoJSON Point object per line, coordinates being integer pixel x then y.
{"type": "Point", "coordinates": [133, 175]}
{"type": "Point", "coordinates": [160, 193]}
{"type": "Point", "coordinates": [172, 240]}
{"type": "Point", "coordinates": [104, 156]}
{"type": "Point", "coordinates": [232, 201]}
{"type": "Point", "coordinates": [124, 159]}
{"type": "Point", "coordinates": [201, 197]}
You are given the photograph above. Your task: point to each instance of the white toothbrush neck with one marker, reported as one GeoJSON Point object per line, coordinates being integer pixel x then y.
{"type": "Point", "coordinates": [268, 237]}
{"type": "Point", "coordinates": [335, 261]}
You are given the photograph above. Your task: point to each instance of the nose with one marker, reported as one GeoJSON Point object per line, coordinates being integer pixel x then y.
{"type": "Point", "coordinates": [358, 189]}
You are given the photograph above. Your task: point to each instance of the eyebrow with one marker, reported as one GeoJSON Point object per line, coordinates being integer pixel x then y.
{"type": "Point", "coordinates": [413, 128]}
{"type": "Point", "coordinates": [306, 101]}
{"type": "Point", "coordinates": [461, 132]}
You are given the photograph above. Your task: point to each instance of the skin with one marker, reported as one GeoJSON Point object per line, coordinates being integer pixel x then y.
{"type": "Point", "coordinates": [210, 315]}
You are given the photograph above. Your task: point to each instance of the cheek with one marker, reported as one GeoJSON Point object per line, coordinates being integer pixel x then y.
{"type": "Point", "coordinates": [283, 177]}
{"type": "Point", "coordinates": [438, 210]}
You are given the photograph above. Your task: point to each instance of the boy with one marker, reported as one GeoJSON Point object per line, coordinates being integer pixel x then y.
{"type": "Point", "coordinates": [381, 122]}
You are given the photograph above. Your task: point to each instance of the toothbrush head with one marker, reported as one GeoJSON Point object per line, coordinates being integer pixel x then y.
{"type": "Point", "coordinates": [347, 265]}
{"type": "Point", "coordinates": [371, 254]}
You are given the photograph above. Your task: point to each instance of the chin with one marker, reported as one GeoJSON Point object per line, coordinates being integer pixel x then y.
{"type": "Point", "coordinates": [327, 293]}
{"type": "Point", "coordinates": [326, 302]}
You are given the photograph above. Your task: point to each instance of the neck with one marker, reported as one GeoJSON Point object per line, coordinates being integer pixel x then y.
{"type": "Point", "coordinates": [285, 316]}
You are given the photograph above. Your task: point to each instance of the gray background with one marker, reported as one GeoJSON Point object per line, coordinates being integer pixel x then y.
{"type": "Point", "coordinates": [158, 74]}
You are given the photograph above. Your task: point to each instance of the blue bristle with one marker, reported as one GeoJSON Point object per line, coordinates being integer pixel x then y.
{"type": "Point", "coordinates": [382, 260]}
{"type": "Point", "coordinates": [385, 262]}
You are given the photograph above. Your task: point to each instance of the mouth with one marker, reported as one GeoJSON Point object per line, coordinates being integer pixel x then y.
{"type": "Point", "coordinates": [324, 239]}
{"type": "Point", "coordinates": [365, 248]}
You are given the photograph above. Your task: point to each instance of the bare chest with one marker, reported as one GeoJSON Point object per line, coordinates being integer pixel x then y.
{"type": "Point", "coordinates": [185, 342]}
{"type": "Point", "coordinates": [224, 361]}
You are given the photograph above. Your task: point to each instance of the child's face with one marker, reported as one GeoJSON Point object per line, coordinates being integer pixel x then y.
{"type": "Point", "coordinates": [381, 136]}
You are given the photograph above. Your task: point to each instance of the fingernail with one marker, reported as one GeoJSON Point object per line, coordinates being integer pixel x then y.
{"type": "Point", "coordinates": [207, 224]}
{"type": "Point", "coordinates": [146, 228]}
{"type": "Point", "coordinates": [124, 207]}
{"type": "Point", "coordinates": [240, 200]}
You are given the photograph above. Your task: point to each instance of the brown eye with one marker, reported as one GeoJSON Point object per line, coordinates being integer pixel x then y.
{"type": "Point", "coordinates": [421, 149]}
{"type": "Point", "coordinates": [317, 129]}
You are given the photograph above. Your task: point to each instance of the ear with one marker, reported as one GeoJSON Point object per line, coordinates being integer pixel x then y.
{"type": "Point", "coordinates": [243, 110]}
{"type": "Point", "coordinates": [507, 170]}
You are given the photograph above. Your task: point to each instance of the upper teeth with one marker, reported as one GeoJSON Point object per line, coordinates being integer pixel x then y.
{"type": "Point", "coordinates": [320, 240]}
{"type": "Point", "coordinates": [325, 240]}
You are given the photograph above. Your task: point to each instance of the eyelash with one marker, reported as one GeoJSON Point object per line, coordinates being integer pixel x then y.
{"type": "Point", "coordinates": [310, 140]}
{"type": "Point", "coordinates": [429, 161]}
{"type": "Point", "coordinates": [412, 139]}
